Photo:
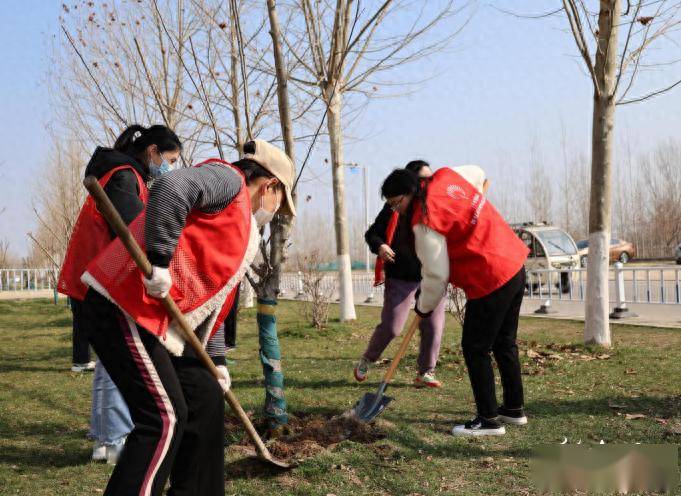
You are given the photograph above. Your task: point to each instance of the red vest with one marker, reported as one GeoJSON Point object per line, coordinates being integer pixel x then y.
{"type": "Point", "coordinates": [89, 237]}
{"type": "Point", "coordinates": [208, 258]}
{"type": "Point", "coordinates": [484, 252]}
{"type": "Point", "coordinates": [379, 273]}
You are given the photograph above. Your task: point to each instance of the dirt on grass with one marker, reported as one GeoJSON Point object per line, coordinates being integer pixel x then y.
{"type": "Point", "coordinates": [309, 434]}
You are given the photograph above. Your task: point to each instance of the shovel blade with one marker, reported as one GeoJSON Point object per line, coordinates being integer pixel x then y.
{"type": "Point", "coordinates": [370, 406]}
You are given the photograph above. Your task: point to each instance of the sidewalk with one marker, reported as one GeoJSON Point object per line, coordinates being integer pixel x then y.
{"type": "Point", "coordinates": [651, 314]}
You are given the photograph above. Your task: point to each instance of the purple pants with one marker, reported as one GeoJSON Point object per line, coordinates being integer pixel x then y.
{"type": "Point", "coordinates": [398, 300]}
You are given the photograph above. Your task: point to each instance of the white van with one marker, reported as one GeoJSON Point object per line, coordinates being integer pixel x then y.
{"type": "Point", "coordinates": [550, 247]}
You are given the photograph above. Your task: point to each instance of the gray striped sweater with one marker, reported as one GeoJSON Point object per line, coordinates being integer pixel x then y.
{"type": "Point", "coordinates": [209, 188]}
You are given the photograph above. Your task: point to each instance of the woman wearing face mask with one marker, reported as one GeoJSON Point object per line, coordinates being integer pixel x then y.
{"type": "Point", "coordinates": [123, 171]}
{"type": "Point", "coordinates": [200, 232]}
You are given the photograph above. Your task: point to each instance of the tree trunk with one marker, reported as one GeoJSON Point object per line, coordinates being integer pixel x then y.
{"type": "Point", "coordinates": [597, 326]}
{"type": "Point", "coordinates": [234, 84]}
{"type": "Point", "coordinates": [347, 304]}
{"type": "Point", "coordinates": [280, 229]}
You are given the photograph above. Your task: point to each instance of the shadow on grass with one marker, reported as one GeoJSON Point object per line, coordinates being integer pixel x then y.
{"type": "Point", "coordinates": [36, 363]}
{"type": "Point", "coordinates": [38, 324]}
{"type": "Point", "coordinates": [292, 382]}
{"type": "Point", "coordinates": [44, 457]}
{"type": "Point", "coordinates": [665, 406]}
{"type": "Point", "coordinates": [252, 467]}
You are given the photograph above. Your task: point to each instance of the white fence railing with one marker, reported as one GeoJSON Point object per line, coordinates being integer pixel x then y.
{"type": "Point", "coordinates": [26, 279]}
{"type": "Point", "coordinates": [658, 285]}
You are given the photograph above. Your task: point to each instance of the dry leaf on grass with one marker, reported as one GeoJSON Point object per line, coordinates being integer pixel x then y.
{"type": "Point", "coordinates": [675, 429]}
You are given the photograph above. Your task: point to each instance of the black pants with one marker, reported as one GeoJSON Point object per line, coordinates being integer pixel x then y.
{"type": "Point", "coordinates": [491, 325]}
{"type": "Point", "coordinates": [80, 346]}
{"type": "Point", "coordinates": [230, 321]}
{"type": "Point", "coordinates": [176, 405]}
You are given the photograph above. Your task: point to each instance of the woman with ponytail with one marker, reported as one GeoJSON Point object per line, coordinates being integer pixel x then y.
{"type": "Point", "coordinates": [200, 231]}
{"type": "Point", "coordinates": [461, 239]}
{"type": "Point", "coordinates": [138, 155]}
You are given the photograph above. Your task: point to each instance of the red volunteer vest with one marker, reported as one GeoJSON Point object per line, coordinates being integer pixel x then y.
{"type": "Point", "coordinates": [89, 237]}
{"type": "Point", "coordinates": [209, 253]}
{"type": "Point", "coordinates": [379, 273]}
{"type": "Point", "coordinates": [484, 252]}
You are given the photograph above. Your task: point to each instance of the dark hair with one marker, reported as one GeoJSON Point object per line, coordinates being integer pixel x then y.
{"type": "Point", "coordinates": [405, 182]}
{"type": "Point", "coordinates": [130, 143]}
{"type": "Point", "coordinates": [252, 170]}
{"type": "Point", "coordinates": [400, 182]}
{"type": "Point", "coordinates": [415, 166]}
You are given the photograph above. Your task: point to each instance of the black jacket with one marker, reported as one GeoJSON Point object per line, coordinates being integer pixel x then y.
{"type": "Point", "coordinates": [406, 266]}
{"type": "Point", "coordinates": [122, 188]}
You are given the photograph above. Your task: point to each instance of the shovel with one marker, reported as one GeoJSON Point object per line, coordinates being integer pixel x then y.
{"type": "Point", "coordinates": [372, 404]}
{"type": "Point", "coordinates": [111, 215]}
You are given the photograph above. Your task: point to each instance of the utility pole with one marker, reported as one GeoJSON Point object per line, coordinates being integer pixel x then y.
{"type": "Point", "coordinates": [365, 188]}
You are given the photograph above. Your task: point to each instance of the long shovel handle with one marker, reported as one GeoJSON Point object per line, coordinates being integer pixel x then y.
{"type": "Point", "coordinates": [112, 216]}
{"type": "Point", "coordinates": [402, 349]}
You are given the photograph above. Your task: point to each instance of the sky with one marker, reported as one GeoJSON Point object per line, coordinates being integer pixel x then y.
{"type": "Point", "coordinates": [504, 84]}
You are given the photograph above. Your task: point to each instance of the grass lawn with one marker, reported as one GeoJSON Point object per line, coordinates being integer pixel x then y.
{"type": "Point", "coordinates": [571, 392]}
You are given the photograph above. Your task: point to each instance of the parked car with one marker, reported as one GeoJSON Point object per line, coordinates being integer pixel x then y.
{"type": "Point", "coordinates": [620, 251]}
{"type": "Point", "coordinates": [550, 248]}
{"type": "Point", "coordinates": [678, 254]}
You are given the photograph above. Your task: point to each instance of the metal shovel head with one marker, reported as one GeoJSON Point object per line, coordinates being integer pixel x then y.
{"type": "Point", "coordinates": [370, 406]}
{"type": "Point", "coordinates": [267, 458]}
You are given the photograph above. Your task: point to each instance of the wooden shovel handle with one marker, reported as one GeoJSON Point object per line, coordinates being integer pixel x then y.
{"type": "Point", "coordinates": [402, 349]}
{"type": "Point", "coordinates": [112, 216]}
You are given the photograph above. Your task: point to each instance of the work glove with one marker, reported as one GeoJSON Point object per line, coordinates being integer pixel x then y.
{"type": "Point", "coordinates": [423, 315]}
{"type": "Point", "coordinates": [158, 285]}
{"type": "Point", "coordinates": [226, 381]}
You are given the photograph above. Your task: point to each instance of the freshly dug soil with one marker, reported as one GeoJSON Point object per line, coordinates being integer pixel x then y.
{"type": "Point", "coordinates": [310, 434]}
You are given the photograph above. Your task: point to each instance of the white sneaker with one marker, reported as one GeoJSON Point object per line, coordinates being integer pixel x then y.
{"type": "Point", "coordinates": [113, 452]}
{"type": "Point", "coordinates": [98, 452]}
{"type": "Point", "coordinates": [83, 367]}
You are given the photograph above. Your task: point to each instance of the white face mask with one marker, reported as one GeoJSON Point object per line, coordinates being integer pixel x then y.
{"type": "Point", "coordinates": [263, 216]}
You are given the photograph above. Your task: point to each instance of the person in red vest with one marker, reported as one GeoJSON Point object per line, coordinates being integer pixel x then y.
{"type": "Point", "coordinates": [137, 156]}
{"type": "Point", "coordinates": [200, 231]}
{"type": "Point", "coordinates": [391, 238]}
{"type": "Point", "coordinates": [461, 239]}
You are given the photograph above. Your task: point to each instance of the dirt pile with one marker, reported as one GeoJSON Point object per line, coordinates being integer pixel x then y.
{"type": "Point", "coordinates": [310, 434]}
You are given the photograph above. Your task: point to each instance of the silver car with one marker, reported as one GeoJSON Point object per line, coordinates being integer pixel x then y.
{"type": "Point", "coordinates": [550, 248]}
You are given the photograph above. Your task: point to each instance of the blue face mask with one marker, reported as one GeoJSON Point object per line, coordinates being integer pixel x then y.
{"type": "Point", "coordinates": [156, 171]}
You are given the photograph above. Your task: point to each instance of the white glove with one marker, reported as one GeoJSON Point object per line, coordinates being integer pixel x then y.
{"type": "Point", "coordinates": [158, 285]}
{"type": "Point", "coordinates": [226, 381]}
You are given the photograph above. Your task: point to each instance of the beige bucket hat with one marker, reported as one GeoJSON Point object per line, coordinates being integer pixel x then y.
{"type": "Point", "coordinates": [279, 164]}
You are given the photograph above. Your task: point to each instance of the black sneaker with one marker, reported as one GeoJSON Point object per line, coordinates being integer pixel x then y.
{"type": "Point", "coordinates": [480, 426]}
{"type": "Point", "coordinates": [512, 416]}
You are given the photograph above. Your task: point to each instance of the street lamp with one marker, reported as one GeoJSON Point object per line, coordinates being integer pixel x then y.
{"type": "Point", "coordinates": [365, 180]}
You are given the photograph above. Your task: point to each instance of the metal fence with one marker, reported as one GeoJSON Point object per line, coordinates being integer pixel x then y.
{"type": "Point", "coordinates": [26, 279]}
{"type": "Point", "coordinates": [657, 285]}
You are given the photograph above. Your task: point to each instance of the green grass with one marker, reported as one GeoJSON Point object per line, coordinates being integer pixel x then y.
{"type": "Point", "coordinates": [44, 408]}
